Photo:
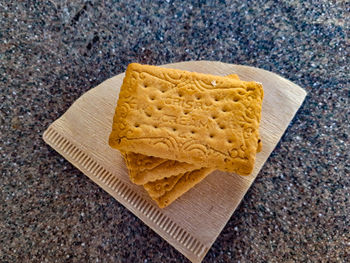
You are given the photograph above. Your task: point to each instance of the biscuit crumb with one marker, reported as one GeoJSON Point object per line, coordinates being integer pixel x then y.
{"type": "Point", "coordinates": [213, 83]}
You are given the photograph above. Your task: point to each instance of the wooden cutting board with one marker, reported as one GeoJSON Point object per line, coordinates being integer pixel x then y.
{"type": "Point", "coordinates": [192, 223]}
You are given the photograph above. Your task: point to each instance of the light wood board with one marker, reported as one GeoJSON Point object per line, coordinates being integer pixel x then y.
{"type": "Point", "coordinates": [192, 223]}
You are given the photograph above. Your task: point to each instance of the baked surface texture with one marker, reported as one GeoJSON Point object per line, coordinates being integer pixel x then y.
{"type": "Point", "coordinates": [143, 169]}
{"type": "Point", "coordinates": [166, 191]}
{"type": "Point", "coordinates": [202, 119]}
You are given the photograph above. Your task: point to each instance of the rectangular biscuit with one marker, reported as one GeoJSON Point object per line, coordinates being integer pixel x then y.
{"type": "Point", "coordinates": [143, 169]}
{"type": "Point", "coordinates": [166, 191]}
{"type": "Point", "coordinates": [190, 117]}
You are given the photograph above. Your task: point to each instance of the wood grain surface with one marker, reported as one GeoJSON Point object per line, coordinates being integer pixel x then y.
{"type": "Point", "coordinates": [193, 222]}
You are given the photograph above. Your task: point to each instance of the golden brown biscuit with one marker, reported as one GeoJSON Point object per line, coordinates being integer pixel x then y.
{"type": "Point", "coordinates": [201, 119]}
{"type": "Point", "coordinates": [141, 162]}
{"type": "Point", "coordinates": [157, 168]}
{"type": "Point", "coordinates": [158, 188]}
{"type": "Point", "coordinates": [166, 191]}
{"type": "Point", "coordinates": [144, 169]}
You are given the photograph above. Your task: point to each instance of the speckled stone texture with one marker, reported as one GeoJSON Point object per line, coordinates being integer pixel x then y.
{"type": "Point", "coordinates": [298, 210]}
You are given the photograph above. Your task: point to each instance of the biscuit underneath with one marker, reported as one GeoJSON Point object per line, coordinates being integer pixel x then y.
{"type": "Point", "coordinates": [166, 191]}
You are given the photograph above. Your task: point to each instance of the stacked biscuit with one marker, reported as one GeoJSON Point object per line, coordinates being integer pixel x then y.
{"type": "Point", "coordinates": [175, 127]}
